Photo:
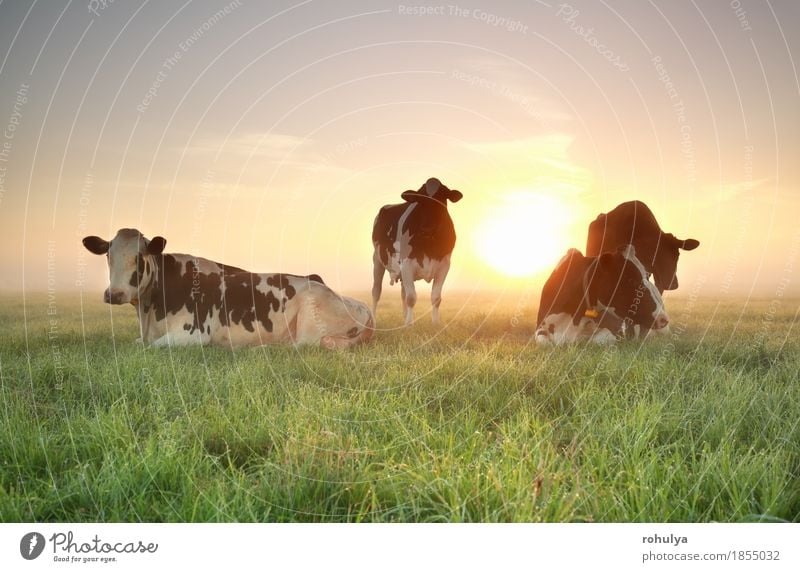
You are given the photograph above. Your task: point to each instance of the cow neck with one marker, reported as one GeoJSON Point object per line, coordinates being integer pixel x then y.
{"type": "Point", "coordinates": [154, 288]}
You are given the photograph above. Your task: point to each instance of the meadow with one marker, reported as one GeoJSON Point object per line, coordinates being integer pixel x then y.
{"type": "Point", "coordinates": [464, 422]}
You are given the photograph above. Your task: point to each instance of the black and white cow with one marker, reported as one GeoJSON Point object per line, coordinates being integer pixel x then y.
{"type": "Point", "coordinates": [414, 240]}
{"type": "Point", "coordinates": [599, 298]}
{"type": "Point", "coordinates": [182, 299]}
{"type": "Point", "coordinates": [634, 223]}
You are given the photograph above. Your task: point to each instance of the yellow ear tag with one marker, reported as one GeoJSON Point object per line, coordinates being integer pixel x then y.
{"type": "Point", "coordinates": [591, 313]}
{"type": "Point", "coordinates": [134, 301]}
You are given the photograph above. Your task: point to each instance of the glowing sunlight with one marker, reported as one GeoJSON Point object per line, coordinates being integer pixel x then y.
{"type": "Point", "coordinates": [525, 234]}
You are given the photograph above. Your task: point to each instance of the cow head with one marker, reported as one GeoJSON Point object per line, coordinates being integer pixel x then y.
{"type": "Point", "coordinates": [619, 281]}
{"type": "Point", "coordinates": [131, 264]}
{"type": "Point", "coordinates": [665, 260]}
{"type": "Point", "coordinates": [432, 190]}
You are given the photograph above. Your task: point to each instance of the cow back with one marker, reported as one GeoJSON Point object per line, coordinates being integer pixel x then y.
{"type": "Point", "coordinates": [417, 230]}
{"type": "Point", "coordinates": [629, 223]}
{"type": "Point", "coordinates": [563, 291]}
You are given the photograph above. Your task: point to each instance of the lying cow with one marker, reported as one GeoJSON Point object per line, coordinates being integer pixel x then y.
{"type": "Point", "coordinates": [182, 299]}
{"type": "Point", "coordinates": [601, 299]}
{"type": "Point", "coordinates": [414, 241]}
{"type": "Point", "coordinates": [634, 223]}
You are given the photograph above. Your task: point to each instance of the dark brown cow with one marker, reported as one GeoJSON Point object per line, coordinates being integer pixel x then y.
{"type": "Point", "coordinates": [599, 298]}
{"type": "Point", "coordinates": [634, 223]}
{"type": "Point", "coordinates": [182, 299]}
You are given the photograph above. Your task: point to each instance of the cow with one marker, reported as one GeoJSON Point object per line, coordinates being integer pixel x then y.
{"type": "Point", "coordinates": [634, 223]}
{"type": "Point", "coordinates": [182, 299]}
{"type": "Point", "coordinates": [599, 299]}
{"type": "Point", "coordinates": [414, 240]}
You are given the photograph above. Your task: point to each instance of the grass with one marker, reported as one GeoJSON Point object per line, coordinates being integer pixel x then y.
{"type": "Point", "coordinates": [468, 422]}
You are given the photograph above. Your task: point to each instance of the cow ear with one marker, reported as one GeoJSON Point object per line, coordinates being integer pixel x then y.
{"type": "Point", "coordinates": [96, 245]}
{"type": "Point", "coordinates": [607, 259]}
{"type": "Point", "coordinates": [410, 196]}
{"type": "Point", "coordinates": [690, 244]}
{"type": "Point", "coordinates": [454, 196]}
{"type": "Point", "coordinates": [156, 245]}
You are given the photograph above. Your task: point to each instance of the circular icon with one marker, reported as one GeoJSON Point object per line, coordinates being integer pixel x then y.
{"type": "Point", "coordinates": [31, 545]}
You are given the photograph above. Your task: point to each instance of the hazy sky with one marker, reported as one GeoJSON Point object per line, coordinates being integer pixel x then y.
{"type": "Point", "coordinates": [267, 134]}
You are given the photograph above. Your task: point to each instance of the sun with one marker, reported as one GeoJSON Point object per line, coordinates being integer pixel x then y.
{"type": "Point", "coordinates": [527, 233]}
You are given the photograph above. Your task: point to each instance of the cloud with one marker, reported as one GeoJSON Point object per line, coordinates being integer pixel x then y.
{"type": "Point", "coordinates": [514, 83]}
{"type": "Point", "coordinates": [272, 146]}
{"type": "Point", "coordinates": [730, 191]}
{"type": "Point", "coordinates": [541, 162]}
{"type": "Point", "coordinates": [267, 155]}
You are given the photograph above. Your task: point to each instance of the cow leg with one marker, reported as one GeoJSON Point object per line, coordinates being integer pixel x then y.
{"type": "Point", "coordinates": [408, 291]}
{"type": "Point", "coordinates": [442, 268]}
{"type": "Point", "coordinates": [378, 270]}
{"type": "Point", "coordinates": [603, 337]}
{"type": "Point", "coordinates": [181, 338]}
{"type": "Point", "coordinates": [403, 300]}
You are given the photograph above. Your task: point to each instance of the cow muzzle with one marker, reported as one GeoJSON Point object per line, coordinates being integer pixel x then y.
{"type": "Point", "coordinates": [661, 321]}
{"type": "Point", "coordinates": [114, 296]}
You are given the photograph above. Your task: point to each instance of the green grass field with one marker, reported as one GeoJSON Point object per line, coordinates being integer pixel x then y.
{"type": "Point", "coordinates": [468, 422]}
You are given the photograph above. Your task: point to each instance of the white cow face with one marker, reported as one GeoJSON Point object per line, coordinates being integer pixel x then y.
{"type": "Point", "coordinates": [131, 264]}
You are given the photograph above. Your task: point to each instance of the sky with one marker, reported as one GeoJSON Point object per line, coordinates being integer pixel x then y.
{"type": "Point", "coordinates": [267, 135]}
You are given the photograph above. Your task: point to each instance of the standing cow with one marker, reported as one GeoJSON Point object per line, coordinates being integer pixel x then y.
{"type": "Point", "coordinates": [182, 299]}
{"type": "Point", "coordinates": [634, 223]}
{"type": "Point", "coordinates": [413, 241]}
